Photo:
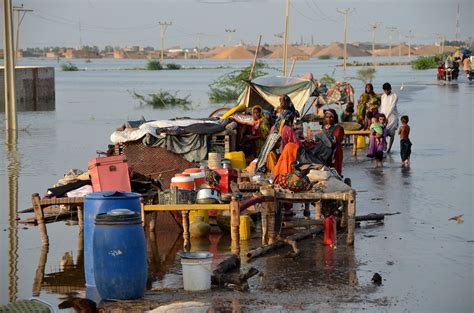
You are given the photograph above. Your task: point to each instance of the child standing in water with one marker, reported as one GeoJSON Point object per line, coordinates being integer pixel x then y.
{"type": "Point", "coordinates": [378, 139]}
{"type": "Point", "coordinates": [405, 143]}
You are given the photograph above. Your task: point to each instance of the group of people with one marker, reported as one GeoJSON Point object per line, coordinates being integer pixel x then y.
{"type": "Point", "coordinates": [379, 114]}
{"type": "Point", "coordinates": [280, 145]}
{"type": "Point", "coordinates": [277, 146]}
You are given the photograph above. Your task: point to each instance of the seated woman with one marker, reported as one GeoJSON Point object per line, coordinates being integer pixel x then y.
{"type": "Point", "coordinates": [281, 132]}
{"type": "Point", "coordinates": [253, 136]}
{"type": "Point", "coordinates": [326, 149]}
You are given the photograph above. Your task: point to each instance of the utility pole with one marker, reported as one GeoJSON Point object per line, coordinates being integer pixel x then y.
{"type": "Point", "coordinates": [399, 46]}
{"type": "Point", "coordinates": [374, 28]}
{"type": "Point", "coordinates": [390, 31]}
{"type": "Point", "coordinates": [345, 13]}
{"type": "Point", "coordinates": [410, 37]}
{"type": "Point", "coordinates": [19, 10]}
{"type": "Point", "coordinates": [199, 45]}
{"type": "Point", "coordinates": [458, 24]}
{"type": "Point", "coordinates": [442, 38]}
{"type": "Point", "coordinates": [285, 47]}
{"type": "Point", "coordinates": [163, 27]}
{"type": "Point", "coordinates": [9, 67]}
{"type": "Point", "coordinates": [229, 35]}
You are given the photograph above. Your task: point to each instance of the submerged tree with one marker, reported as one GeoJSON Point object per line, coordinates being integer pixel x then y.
{"type": "Point", "coordinates": [365, 75]}
{"type": "Point", "coordinates": [163, 100]}
{"type": "Point", "coordinates": [228, 87]}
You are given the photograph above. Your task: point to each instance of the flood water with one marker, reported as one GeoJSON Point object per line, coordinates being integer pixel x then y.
{"type": "Point", "coordinates": [426, 260]}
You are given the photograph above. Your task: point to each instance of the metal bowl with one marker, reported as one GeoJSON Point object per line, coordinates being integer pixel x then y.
{"type": "Point", "coordinates": [208, 196]}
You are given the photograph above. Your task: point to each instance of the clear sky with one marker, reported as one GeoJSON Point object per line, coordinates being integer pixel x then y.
{"type": "Point", "coordinates": [135, 22]}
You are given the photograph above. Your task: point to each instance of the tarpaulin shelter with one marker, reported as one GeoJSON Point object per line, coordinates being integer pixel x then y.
{"type": "Point", "coordinates": [266, 91]}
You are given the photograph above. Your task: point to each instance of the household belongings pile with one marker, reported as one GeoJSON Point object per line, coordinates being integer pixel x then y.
{"type": "Point", "coordinates": [303, 178]}
{"type": "Point", "coordinates": [185, 137]}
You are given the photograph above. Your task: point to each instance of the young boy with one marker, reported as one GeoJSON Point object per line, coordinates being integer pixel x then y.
{"type": "Point", "coordinates": [405, 143]}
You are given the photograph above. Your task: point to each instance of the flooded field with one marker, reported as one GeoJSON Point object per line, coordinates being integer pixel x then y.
{"type": "Point", "coordinates": [426, 261]}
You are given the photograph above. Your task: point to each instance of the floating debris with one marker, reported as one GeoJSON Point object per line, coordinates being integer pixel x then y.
{"type": "Point", "coordinates": [457, 218]}
{"type": "Point", "coordinates": [377, 279]}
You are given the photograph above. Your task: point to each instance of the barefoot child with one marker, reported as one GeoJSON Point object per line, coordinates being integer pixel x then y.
{"type": "Point", "coordinates": [405, 143]}
{"type": "Point", "coordinates": [378, 139]}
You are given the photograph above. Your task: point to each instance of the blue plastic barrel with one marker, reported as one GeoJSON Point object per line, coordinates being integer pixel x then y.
{"type": "Point", "coordinates": [102, 202]}
{"type": "Point", "coordinates": [120, 255]}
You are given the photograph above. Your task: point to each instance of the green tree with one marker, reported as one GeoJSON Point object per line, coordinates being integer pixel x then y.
{"type": "Point", "coordinates": [228, 87]}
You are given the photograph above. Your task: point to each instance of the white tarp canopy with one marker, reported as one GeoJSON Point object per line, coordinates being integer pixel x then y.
{"type": "Point", "coordinates": [266, 91]}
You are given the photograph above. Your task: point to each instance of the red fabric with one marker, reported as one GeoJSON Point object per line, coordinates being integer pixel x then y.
{"type": "Point", "coordinates": [284, 164]}
{"type": "Point", "coordinates": [288, 135]}
{"type": "Point", "coordinates": [338, 156]}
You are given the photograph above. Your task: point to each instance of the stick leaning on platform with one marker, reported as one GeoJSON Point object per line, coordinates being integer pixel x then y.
{"type": "Point", "coordinates": [280, 243]}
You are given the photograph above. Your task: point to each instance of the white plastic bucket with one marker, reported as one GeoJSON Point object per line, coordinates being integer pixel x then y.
{"type": "Point", "coordinates": [196, 270]}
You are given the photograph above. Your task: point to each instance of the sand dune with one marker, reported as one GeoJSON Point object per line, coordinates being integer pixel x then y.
{"type": "Point", "coordinates": [336, 50]}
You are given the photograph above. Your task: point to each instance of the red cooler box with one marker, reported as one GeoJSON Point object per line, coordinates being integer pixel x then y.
{"type": "Point", "coordinates": [110, 174]}
{"type": "Point", "coordinates": [227, 176]}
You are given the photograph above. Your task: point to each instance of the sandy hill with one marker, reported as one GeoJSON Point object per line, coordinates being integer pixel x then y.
{"type": "Point", "coordinates": [336, 50]}
{"type": "Point", "coordinates": [212, 52]}
{"type": "Point", "coordinates": [234, 53]}
{"type": "Point", "coordinates": [292, 53]}
{"type": "Point", "coordinates": [432, 50]}
{"type": "Point", "coordinates": [386, 52]}
{"type": "Point", "coordinates": [312, 50]}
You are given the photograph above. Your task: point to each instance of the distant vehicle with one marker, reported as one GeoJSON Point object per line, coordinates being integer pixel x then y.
{"type": "Point", "coordinates": [448, 70]}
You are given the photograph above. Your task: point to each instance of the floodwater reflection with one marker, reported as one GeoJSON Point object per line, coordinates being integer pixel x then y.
{"type": "Point", "coordinates": [13, 173]}
{"type": "Point", "coordinates": [319, 265]}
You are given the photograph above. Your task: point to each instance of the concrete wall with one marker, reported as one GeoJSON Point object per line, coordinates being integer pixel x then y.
{"type": "Point", "coordinates": [34, 89]}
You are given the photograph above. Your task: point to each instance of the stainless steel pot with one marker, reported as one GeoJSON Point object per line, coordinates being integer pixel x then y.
{"type": "Point", "coordinates": [226, 163]}
{"type": "Point", "coordinates": [208, 196]}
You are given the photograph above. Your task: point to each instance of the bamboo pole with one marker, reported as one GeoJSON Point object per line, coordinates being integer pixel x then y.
{"type": "Point", "coordinates": [235, 225]}
{"type": "Point", "coordinates": [40, 219]}
{"type": "Point", "coordinates": [292, 67]}
{"type": "Point", "coordinates": [255, 57]}
{"type": "Point", "coordinates": [39, 274]}
{"type": "Point", "coordinates": [351, 212]}
{"type": "Point", "coordinates": [186, 233]}
{"type": "Point", "coordinates": [252, 68]}
{"type": "Point", "coordinates": [80, 216]}
{"type": "Point", "coordinates": [318, 207]}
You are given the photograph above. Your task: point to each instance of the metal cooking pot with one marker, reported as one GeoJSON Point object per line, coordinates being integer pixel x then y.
{"type": "Point", "coordinates": [226, 163]}
{"type": "Point", "coordinates": [208, 196]}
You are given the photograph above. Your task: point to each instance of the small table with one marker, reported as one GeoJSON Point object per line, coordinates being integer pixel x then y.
{"type": "Point", "coordinates": [355, 134]}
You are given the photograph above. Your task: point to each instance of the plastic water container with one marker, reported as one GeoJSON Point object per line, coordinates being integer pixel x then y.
{"type": "Point", "coordinates": [196, 270]}
{"type": "Point", "coordinates": [244, 229]}
{"type": "Point", "coordinates": [102, 202]}
{"type": "Point", "coordinates": [198, 213]}
{"type": "Point", "coordinates": [237, 159]}
{"type": "Point", "coordinates": [330, 235]}
{"type": "Point", "coordinates": [360, 142]}
{"type": "Point", "coordinates": [120, 257]}
{"type": "Point", "coordinates": [182, 181]}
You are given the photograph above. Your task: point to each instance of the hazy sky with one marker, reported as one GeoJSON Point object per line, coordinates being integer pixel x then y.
{"type": "Point", "coordinates": [126, 23]}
